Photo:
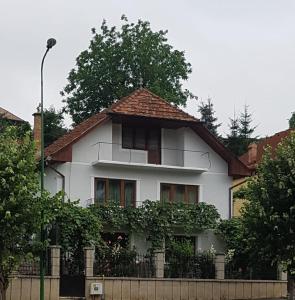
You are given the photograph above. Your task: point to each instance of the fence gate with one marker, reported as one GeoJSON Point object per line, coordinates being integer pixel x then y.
{"type": "Point", "coordinates": [72, 276]}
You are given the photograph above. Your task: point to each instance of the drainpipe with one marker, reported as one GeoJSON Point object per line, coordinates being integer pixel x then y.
{"type": "Point", "coordinates": [230, 196]}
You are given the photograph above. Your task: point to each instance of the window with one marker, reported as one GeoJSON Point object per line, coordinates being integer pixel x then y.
{"type": "Point", "coordinates": [117, 190]}
{"type": "Point", "coordinates": [143, 138]}
{"type": "Point", "coordinates": [179, 193]}
{"type": "Point", "coordinates": [134, 138]}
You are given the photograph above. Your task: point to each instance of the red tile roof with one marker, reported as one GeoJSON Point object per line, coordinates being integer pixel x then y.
{"type": "Point", "coordinates": [144, 103]}
{"type": "Point", "coordinates": [271, 141]}
{"type": "Point", "coordinates": [5, 114]}
{"type": "Point", "coordinates": [140, 103]}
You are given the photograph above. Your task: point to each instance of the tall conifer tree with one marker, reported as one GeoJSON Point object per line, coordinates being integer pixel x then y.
{"type": "Point", "coordinates": [208, 116]}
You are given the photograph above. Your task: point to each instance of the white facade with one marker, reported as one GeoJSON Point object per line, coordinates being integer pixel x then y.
{"type": "Point", "coordinates": [186, 159]}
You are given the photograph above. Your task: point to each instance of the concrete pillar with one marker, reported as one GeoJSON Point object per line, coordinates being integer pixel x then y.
{"type": "Point", "coordinates": [282, 275]}
{"type": "Point", "coordinates": [55, 260]}
{"type": "Point", "coordinates": [159, 258]}
{"type": "Point", "coordinates": [219, 262]}
{"type": "Point", "coordinates": [89, 260]}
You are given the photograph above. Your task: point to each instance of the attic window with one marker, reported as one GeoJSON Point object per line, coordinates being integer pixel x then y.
{"type": "Point", "coordinates": [134, 138]}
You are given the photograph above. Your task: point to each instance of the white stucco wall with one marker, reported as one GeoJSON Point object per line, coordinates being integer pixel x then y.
{"type": "Point", "coordinates": [80, 173]}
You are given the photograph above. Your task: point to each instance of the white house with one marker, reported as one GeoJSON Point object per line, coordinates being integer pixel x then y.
{"type": "Point", "coordinates": [142, 148]}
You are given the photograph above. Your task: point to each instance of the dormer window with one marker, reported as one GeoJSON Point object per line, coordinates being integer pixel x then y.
{"type": "Point", "coordinates": [143, 138]}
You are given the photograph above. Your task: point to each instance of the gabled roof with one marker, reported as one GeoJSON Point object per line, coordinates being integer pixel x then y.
{"type": "Point", "coordinates": [252, 160]}
{"type": "Point", "coordinates": [143, 103]}
{"type": "Point", "coordinates": [5, 114]}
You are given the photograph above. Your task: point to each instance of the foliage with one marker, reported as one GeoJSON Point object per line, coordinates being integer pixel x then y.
{"type": "Point", "coordinates": [268, 218]}
{"type": "Point", "coordinates": [241, 131]}
{"type": "Point", "coordinates": [53, 125]}
{"type": "Point", "coordinates": [242, 262]}
{"type": "Point", "coordinates": [245, 129]}
{"type": "Point", "coordinates": [207, 116]}
{"type": "Point", "coordinates": [113, 259]}
{"type": "Point", "coordinates": [181, 248]}
{"type": "Point", "coordinates": [117, 62]}
{"type": "Point", "coordinates": [292, 121]}
{"type": "Point", "coordinates": [183, 262]}
{"type": "Point", "coordinates": [264, 235]}
{"type": "Point", "coordinates": [158, 220]}
{"type": "Point", "coordinates": [73, 228]}
{"type": "Point", "coordinates": [233, 139]}
{"type": "Point", "coordinates": [18, 201]}
{"type": "Point", "coordinates": [231, 232]}
{"type": "Point", "coordinates": [22, 127]}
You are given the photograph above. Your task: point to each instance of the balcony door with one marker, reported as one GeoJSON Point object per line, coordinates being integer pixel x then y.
{"type": "Point", "coordinates": [143, 138]}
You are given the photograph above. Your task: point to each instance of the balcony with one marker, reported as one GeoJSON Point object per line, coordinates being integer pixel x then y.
{"type": "Point", "coordinates": [184, 160]}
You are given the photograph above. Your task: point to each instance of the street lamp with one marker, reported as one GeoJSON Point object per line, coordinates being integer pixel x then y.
{"type": "Point", "coordinates": [50, 43]}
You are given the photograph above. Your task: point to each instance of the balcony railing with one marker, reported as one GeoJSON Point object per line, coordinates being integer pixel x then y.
{"type": "Point", "coordinates": [169, 157]}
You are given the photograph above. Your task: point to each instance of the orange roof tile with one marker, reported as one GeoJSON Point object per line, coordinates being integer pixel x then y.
{"type": "Point", "coordinates": [271, 141]}
{"type": "Point", "coordinates": [5, 114]}
{"type": "Point", "coordinates": [140, 103]}
{"type": "Point", "coordinates": [144, 103]}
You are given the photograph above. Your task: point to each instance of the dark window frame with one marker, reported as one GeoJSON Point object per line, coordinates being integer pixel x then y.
{"type": "Point", "coordinates": [132, 129]}
{"type": "Point", "coordinates": [147, 132]}
{"type": "Point", "coordinates": [172, 192]}
{"type": "Point", "coordinates": [122, 190]}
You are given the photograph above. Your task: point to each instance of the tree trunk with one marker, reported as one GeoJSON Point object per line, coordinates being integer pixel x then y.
{"type": "Point", "coordinates": [3, 287]}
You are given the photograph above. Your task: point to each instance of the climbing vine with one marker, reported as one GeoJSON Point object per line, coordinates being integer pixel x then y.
{"type": "Point", "coordinates": [157, 220]}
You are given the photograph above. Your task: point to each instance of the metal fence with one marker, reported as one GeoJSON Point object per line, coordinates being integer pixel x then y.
{"type": "Point", "coordinates": [197, 266]}
{"type": "Point", "coordinates": [262, 271]}
{"type": "Point", "coordinates": [137, 265]}
{"type": "Point", "coordinates": [32, 266]}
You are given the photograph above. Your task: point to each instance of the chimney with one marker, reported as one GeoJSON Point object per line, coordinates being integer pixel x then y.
{"type": "Point", "coordinates": [37, 132]}
{"type": "Point", "coordinates": [252, 153]}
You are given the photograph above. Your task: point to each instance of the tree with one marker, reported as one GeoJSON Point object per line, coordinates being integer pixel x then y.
{"type": "Point", "coordinates": [22, 127]}
{"type": "Point", "coordinates": [53, 125]}
{"type": "Point", "coordinates": [245, 129]}
{"type": "Point", "coordinates": [73, 228]}
{"type": "Point", "coordinates": [233, 139]}
{"type": "Point", "coordinates": [18, 201]}
{"type": "Point", "coordinates": [117, 62]}
{"type": "Point", "coordinates": [292, 121]}
{"type": "Point", "coordinates": [207, 116]}
{"type": "Point", "coordinates": [269, 216]}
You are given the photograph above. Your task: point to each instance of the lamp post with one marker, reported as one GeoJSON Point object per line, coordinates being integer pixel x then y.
{"type": "Point", "coordinates": [50, 43]}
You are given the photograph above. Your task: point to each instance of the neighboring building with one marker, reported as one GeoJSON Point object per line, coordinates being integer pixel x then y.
{"type": "Point", "coordinates": [255, 151]}
{"type": "Point", "coordinates": [6, 115]}
{"type": "Point", "coordinates": [143, 148]}
{"type": "Point", "coordinates": [252, 158]}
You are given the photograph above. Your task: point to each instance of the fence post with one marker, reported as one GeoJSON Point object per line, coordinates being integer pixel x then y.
{"type": "Point", "coordinates": [55, 260]}
{"type": "Point", "coordinates": [282, 275]}
{"type": "Point", "coordinates": [219, 262]}
{"type": "Point", "coordinates": [159, 257]}
{"type": "Point", "coordinates": [89, 260]}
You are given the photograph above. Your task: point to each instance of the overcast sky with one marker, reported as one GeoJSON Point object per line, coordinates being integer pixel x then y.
{"type": "Point", "coordinates": [242, 52]}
